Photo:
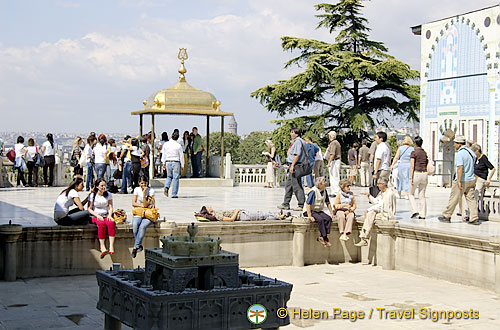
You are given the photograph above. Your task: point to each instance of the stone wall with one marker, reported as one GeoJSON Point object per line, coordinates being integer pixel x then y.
{"type": "Point", "coordinates": [59, 251]}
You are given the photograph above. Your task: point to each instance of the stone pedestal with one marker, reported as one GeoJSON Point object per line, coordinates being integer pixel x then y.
{"type": "Point", "coordinates": [387, 244]}
{"type": "Point", "coordinates": [8, 240]}
{"type": "Point", "coordinates": [299, 233]}
{"type": "Point", "coordinates": [110, 323]}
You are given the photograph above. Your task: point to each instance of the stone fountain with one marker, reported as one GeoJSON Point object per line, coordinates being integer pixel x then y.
{"type": "Point", "coordinates": [190, 283]}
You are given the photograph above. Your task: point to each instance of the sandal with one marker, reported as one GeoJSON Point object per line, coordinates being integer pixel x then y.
{"type": "Point", "coordinates": [111, 252]}
{"type": "Point", "coordinates": [321, 240]}
{"type": "Point", "coordinates": [103, 254]}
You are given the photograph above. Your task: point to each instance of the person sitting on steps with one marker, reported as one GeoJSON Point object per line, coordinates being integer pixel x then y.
{"type": "Point", "coordinates": [313, 209]}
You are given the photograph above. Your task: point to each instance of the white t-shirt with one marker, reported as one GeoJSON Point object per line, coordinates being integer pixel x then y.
{"type": "Point", "coordinates": [18, 148]}
{"type": "Point", "coordinates": [63, 203]}
{"type": "Point", "coordinates": [138, 193]}
{"type": "Point", "coordinates": [384, 154]}
{"type": "Point", "coordinates": [49, 151]}
{"type": "Point", "coordinates": [101, 203]}
{"type": "Point", "coordinates": [32, 151]}
{"type": "Point", "coordinates": [136, 151]}
{"type": "Point", "coordinates": [100, 153]}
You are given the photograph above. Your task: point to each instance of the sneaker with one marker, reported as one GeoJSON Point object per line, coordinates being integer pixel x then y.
{"type": "Point", "coordinates": [362, 242]}
{"type": "Point", "coordinates": [165, 191]}
{"type": "Point", "coordinates": [442, 218]}
{"type": "Point", "coordinates": [414, 215]}
{"type": "Point", "coordinates": [475, 222]}
{"type": "Point", "coordinates": [140, 248]}
{"type": "Point", "coordinates": [175, 196]}
{"type": "Point", "coordinates": [344, 237]}
{"type": "Point", "coordinates": [298, 208]}
{"type": "Point", "coordinates": [283, 207]}
{"type": "Point", "coordinates": [421, 218]}
{"type": "Point", "coordinates": [134, 252]}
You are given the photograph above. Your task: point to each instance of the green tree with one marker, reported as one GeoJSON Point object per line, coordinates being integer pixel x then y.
{"type": "Point", "coordinates": [231, 143]}
{"type": "Point", "coordinates": [353, 82]}
{"type": "Point", "coordinates": [251, 148]}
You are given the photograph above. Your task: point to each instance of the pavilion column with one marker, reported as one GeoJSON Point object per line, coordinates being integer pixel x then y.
{"type": "Point", "coordinates": [140, 124]}
{"type": "Point", "coordinates": [152, 154]}
{"type": "Point", "coordinates": [222, 147]}
{"type": "Point", "coordinates": [207, 165]}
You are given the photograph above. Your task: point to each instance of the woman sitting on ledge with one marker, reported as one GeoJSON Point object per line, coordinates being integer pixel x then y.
{"type": "Point", "coordinates": [69, 197]}
{"type": "Point", "coordinates": [345, 205]}
{"type": "Point", "coordinates": [209, 214]}
{"type": "Point", "coordinates": [143, 197]}
{"type": "Point", "coordinates": [101, 208]}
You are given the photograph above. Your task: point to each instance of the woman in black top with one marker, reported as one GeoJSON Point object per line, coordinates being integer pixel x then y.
{"type": "Point", "coordinates": [481, 168]}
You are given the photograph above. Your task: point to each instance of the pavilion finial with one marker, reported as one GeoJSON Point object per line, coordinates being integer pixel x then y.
{"type": "Point", "coordinates": [182, 56]}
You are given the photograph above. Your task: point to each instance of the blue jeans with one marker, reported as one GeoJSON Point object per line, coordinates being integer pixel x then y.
{"type": "Point", "coordinates": [90, 176]}
{"type": "Point", "coordinates": [139, 226]}
{"type": "Point", "coordinates": [126, 176]}
{"type": "Point", "coordinates": [173, 175]}
{"type": "Point", "coordinates": [100, 170]}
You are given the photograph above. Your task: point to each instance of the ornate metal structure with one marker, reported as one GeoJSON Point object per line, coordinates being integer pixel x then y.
{"type": "Point", "coordinates": [190, 283]}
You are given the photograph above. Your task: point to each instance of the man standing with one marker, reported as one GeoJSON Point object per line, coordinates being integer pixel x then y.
{"type": "Point", "coordinates": [464, 182]}
{"type": "Point", "coordinates": [382, 159]}
{"type": "Point", "coordinates": [352, 157]}
{"type": "Point", "coordinates": [384, 209]}
{"type": "Point", "coordinates": [334, 162]}
{"type": "Point", "coordinates": [173, 160]}
{"type": "Point", "coordinates": [312, 150]}
{"type": "Point", "coordinates": [293, 185]}
{"type": "Point", "coordinates": [364, 164]}
{"type": "Point", "coordinates": [196, 154]}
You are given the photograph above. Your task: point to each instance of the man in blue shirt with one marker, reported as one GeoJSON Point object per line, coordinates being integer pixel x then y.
{"type": "Point", "coordinates": [293, 185]}
{"type": "Point", "coordinates": [463, 183]}
{"type": "Point", "coordinates": [311, 150]}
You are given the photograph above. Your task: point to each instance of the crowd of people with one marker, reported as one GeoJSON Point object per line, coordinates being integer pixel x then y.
{"type": "Point", "coordinates": [409, 169]}
{"type": "Point", "coordinates": [119, 162]}
{"type": "Point", "coordinates": [109, 164]}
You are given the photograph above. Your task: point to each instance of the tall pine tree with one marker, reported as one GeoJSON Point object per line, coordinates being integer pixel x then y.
{"type": "Point", "coordinates": [353, 82]}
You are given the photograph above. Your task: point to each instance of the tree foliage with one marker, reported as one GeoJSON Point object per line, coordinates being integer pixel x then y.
{"type": "Point", "coordinates": [353, 82]}
{"type": "Point", "coordinates": [231, 143]}
{"type": "Point", "coordinates": [251, 148]}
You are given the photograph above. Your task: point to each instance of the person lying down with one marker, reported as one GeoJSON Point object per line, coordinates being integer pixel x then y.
{"type": "Point", "coordinates": [209, 214]}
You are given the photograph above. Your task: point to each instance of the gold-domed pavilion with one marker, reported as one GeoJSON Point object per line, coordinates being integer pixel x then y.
{"type": "Point", "coordinates": [183, 99]}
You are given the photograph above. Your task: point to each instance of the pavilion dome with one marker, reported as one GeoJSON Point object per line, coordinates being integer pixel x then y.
{"type": "Point", "coordinates": [182, 97]}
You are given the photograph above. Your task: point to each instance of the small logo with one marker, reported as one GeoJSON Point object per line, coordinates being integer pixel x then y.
{"type": "Point", "coordinates": [256, 314]}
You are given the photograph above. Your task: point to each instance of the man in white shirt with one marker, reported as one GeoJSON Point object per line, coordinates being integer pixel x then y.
{"type": "Point", "coordinates": [382, 159]}
{"type": "Point", "coordinates": [384, 209]}
{"type": "Point", "coordinates": [172, 156]}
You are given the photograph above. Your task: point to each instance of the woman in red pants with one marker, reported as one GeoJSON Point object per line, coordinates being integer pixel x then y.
{"type": "Point", "coordinates": [101, 209]}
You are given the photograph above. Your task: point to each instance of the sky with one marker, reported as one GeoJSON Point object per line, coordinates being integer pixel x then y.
{"type": "Point", "coordinates": [77, 66]}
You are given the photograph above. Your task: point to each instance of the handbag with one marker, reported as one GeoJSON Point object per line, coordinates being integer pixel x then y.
{"type": "Point", "coordinates": [151, 213]}
{"type": "Point", "coordinates": [431, 169]}
{"type": "Point", "coordinates": [120, 216]}
{"type": "Point", "coordinates": [304, 168]}
{"type": "Point", "coordinates": [39, 160]}
{"type": "Point", "coordinates": [374, 190]}
{"type": "Point", "coordinates": [73, 162]}
{"type": "Point", "coordinates": [11, 155]}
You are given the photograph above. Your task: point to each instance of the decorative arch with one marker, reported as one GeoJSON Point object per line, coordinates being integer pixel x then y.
{"type": "Point", "coordinates": [456, 71]}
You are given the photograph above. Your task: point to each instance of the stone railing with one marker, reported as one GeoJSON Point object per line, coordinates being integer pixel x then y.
{"type": "Point", "coordinates": [255, 175]}
{"type": "Point", "coordinates": [63, 172]}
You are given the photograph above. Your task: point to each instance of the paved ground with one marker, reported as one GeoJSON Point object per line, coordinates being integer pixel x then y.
{"type": "Point", "coordinates": [70, 302]}
{"type": "Point", "coordinates": [34, 206]}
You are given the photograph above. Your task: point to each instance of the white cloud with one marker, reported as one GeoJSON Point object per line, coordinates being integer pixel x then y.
{"type": "Point", "coordinates": [230, 55]}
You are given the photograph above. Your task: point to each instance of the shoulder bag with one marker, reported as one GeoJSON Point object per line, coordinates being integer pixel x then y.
{"type": "Point", "coordinates": [151, 213]}
{"type": "Point", "coordinates": [304, 168]}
